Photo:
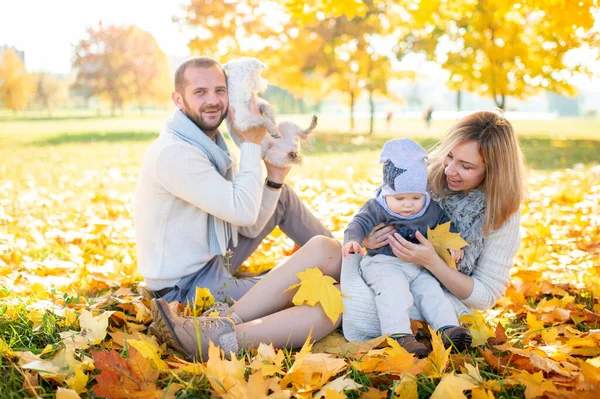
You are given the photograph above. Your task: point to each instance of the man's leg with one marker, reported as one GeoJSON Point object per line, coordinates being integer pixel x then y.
{"type": "Point", "coordinates": [292, 217]}
{"type": "Point", "coordinates": [214, 276]}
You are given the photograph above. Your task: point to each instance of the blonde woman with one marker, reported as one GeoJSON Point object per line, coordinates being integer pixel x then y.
{"type": "Point", "coordinates": [476, 174]}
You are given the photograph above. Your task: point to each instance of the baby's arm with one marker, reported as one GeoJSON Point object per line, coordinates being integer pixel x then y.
{"type": "Point", "coordinates": [457, 254]}
{"type": "Point", "coordinates": [363, 222]}
{"type": "Point", "coordinates": [352, 247]}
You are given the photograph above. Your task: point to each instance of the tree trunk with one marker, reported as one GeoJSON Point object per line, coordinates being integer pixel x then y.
{"type": "Point", "coordinates": [372, 112]}
{"type": "Point", "coordinates": [458, 100]}
{"type": "Point", "coordinates": [352, 111]}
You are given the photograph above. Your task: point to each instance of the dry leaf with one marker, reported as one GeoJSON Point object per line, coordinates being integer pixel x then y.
{"type": "Point", "coordinates": [317, 288]}
{"type": "Point", "coordinates": [442, 240]}
{"type": "Point", "coordinates": [124, 379]}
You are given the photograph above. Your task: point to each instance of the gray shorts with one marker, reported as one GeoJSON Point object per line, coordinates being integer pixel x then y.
{"type": "Point", "coordinates": [292, 217]}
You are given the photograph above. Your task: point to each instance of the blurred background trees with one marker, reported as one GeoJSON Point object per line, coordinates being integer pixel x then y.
{"type": "Point", "coordinates": [122, 64]}
{"type": "Point", "coordinates": [318, 49]}
{"type": "Point", "coordinates": [16, 84]}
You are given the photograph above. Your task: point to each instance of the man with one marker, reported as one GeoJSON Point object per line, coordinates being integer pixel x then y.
{"type": "Point", "coordinates": [191, 206]}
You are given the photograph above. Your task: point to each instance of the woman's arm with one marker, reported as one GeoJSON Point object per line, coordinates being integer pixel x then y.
{"type": "Point", "coordinates": [490, 276]}
{"type": "Point", "coordinates": [424, 254]}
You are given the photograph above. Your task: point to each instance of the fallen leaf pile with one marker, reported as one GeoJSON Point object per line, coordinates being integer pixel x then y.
{"type": "Point", "coordinates": [68, 273]}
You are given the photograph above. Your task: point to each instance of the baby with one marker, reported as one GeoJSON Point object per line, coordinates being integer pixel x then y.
{"type": "Point", "coordinates": [403, 202]}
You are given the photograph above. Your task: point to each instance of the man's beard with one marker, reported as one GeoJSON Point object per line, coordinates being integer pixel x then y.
{"type": "Point", "coordinates": [196, 117]}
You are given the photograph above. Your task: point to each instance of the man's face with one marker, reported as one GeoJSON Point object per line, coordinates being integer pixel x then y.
{"type": "Point", "coordinates": [204, 100]}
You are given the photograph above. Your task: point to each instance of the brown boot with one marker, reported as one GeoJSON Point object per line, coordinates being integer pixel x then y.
{"type": "Point", "coordinates": [459, 338]}
{"type": "Point", "coordinates": [223, 310]}
{"type": "Point", "coordinates": [180, 333]}
{"type": "Point", "coordinates": [410, 343]}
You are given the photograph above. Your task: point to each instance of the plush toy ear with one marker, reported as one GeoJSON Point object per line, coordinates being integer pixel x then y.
{"type": "Point", "coordinates": [313, 124]}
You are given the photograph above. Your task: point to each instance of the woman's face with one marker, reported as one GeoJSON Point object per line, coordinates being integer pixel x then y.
{"type": "Point", "coordinates": [463, 166]}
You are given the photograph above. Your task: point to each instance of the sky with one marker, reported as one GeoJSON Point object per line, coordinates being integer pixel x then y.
{"type": "Point", "coordinates": [47, 30]}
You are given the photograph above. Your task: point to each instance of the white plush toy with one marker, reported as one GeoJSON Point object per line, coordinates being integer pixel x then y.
{"type": "Point", "coordinates": [280, 148]}
{"type": "Point", "coordinates": [286, 150]}
{"type": "Point", "coordinates": [243, 79]}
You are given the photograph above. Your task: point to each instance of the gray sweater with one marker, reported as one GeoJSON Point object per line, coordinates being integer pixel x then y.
{"type": "Point", "coordinates": [371, 214]}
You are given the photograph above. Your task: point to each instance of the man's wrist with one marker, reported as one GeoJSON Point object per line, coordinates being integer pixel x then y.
{"type": "Point", "coordinates": [272, 184]}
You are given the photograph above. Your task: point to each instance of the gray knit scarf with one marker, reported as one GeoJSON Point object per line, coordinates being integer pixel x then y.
{"type": "Point", "coordinates": [219, 231]}
{"type": "Point", "coordinates": [467, 211]}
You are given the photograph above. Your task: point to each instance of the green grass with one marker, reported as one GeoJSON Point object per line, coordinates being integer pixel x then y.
{"type": "Point", "coordinates": [73, 152]}
{"type": "Point", "coordinates": [560, 143]}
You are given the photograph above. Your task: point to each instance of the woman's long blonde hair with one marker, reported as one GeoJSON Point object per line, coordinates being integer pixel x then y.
{"type": "Point", "coordinates": [504, 181]}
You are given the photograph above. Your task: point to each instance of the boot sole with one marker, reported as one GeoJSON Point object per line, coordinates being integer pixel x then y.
{"type": "Point", "coordinates": [459, 343]}
{"type": "Point", "coordinates": [162, 329]}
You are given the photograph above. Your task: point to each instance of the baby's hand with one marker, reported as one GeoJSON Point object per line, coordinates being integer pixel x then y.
{"type": "Point", "coordinates": [456, 254]}
{"type": "Point", "coordinates": [350, 247]}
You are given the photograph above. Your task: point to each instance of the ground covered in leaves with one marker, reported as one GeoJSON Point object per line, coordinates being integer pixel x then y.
{"type": "Point", "coordinates": [73, 322]}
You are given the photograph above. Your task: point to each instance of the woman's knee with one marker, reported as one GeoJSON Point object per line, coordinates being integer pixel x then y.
{"type": "Point", "coordinates": [329, 250]}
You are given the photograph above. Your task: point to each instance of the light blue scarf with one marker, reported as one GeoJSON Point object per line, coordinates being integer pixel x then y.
{"type": "Point", "coordinates": [219, 231]}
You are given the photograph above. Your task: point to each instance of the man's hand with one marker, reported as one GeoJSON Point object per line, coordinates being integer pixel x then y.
{"type": "Point", "coordinates": [253, 135]}
{"type": "Point", "coordinates": [352, 247]}
{"type": "Point", "coordinates": [277, 174]}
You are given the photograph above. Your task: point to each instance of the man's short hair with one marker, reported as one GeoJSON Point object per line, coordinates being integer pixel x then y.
{"type": "Point", "coordinates": [196, 62]}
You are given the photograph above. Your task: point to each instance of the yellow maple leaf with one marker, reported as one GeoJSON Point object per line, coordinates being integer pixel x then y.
{"type": "Point", "coordinates": [438, 358]}
{"type": "Point", "coordinates": [337, 387]}
{"type": "Point", "coordinates": [204, 298]}
{"type": "Point", "coordinates": [62, 393]}
{"type": "Point", "coordinates": [534, 383]}
{"type": "Point", "coordinates": [150, 351]}
{"type": "Point", "coordinates": [267, 360]}
{"type": "Point", "coordinates": [318, 288]}
{"type": "Point", "coordinates": [406, 388]}
{"type": "Point", "coordinates": [451, 387]}
{"type": "Point", "coordinates": [93, 328]}
{"type": "Point", "coordinates": [481, 393]}
{"type": "Point", "coordinates": [478, 327]}
{"type": "Point", "coordinates": [393, 360]}
{"type": "Point", "coordinates": [533, 323]}
{"type": "Point", "coordinates": [442, 240]}
{"type": "Point", "coordinates": [78, 381]}
{"type": "Point", "coordinates": [225, 376]}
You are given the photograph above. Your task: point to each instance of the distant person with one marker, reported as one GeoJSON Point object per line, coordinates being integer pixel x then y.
{"type": "Point", "coordinates": [427, 116]}
{"type": "Point", "coordinates": [388, 118]}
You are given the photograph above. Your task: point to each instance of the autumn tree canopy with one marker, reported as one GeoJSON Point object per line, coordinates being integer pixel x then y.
{"type": "Point", "coordinates": [50, 91]}
{"type": "Point", "coordinates": [501, 48]}
{"type": "Point", "coordinates": [123, 65]}
{"type": "Point", "coordinates": [16, 84]}
{"type": "Point", "coordinates": [496, 49]}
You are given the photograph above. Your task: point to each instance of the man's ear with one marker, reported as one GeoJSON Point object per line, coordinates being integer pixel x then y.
{"type": "Point", "coordinates": [177, 99]}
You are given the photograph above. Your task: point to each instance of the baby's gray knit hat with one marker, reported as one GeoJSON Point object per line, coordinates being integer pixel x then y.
{"type": "Point", "coordinates": [404, 169]}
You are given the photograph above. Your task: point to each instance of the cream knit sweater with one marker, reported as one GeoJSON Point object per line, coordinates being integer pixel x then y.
{"type": "Point", "coordinates": [490, 276]}
{"type": "Point", "coordinates": [177, 189]}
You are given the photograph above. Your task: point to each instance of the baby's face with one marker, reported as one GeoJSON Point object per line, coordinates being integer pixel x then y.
{"type": "Point", "coordinates": [405, 204]}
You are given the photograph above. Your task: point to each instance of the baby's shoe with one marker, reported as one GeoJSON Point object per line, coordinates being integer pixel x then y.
{"type": "Point", "coordinates": [457, 337]}
{"type": "Point", "coordinates": [410, 343]}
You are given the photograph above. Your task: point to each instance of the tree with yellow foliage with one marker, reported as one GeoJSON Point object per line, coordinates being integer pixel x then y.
{"type": "Point", "coordinates": [16, 84]}
{"type": "Point", "coordinates": [506, 48]}
{"type": "Point", "coordinates": [122, 64]}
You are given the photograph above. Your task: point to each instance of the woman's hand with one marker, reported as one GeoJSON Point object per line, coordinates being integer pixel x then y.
{"type": "Point", "coordinates": [377, 238]}
{"type": "Point", "coordinates": [422, 254]}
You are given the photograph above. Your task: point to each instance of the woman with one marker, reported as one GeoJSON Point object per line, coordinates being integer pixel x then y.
{"type": "Point", "coordinates": [477, 175]}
